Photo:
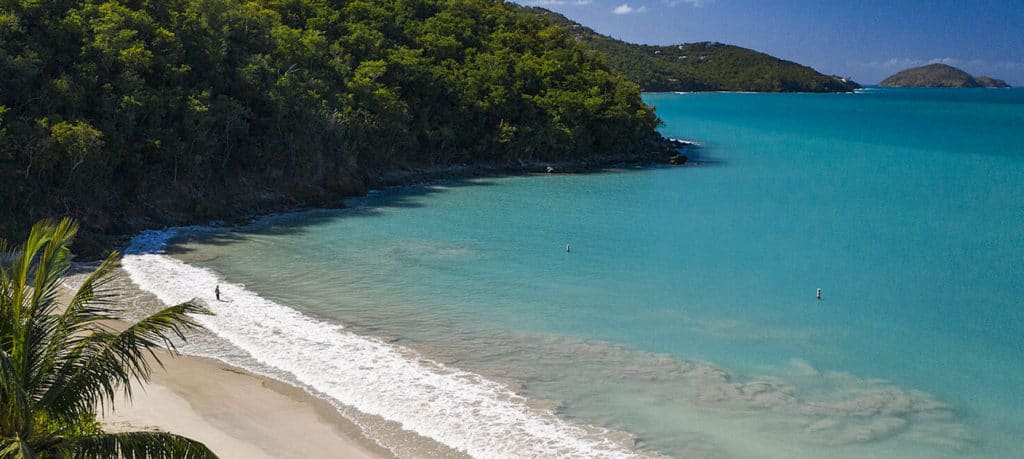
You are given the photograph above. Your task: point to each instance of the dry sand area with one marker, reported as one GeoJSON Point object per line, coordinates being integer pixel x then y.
{"type": "Point", "coordinates": [239, 414]}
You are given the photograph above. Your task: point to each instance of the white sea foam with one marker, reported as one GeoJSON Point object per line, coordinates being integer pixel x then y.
{"type": "Point", "coordinates": [460, 409]}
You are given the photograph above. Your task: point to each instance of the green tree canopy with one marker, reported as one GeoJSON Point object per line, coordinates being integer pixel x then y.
{"type": "Point", "coordinates": [195, 107]}
{"type": "Point", "coordinates": [58, 366]}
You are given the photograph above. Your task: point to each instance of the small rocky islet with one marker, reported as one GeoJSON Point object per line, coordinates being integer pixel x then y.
{"type": "Point", "coordinates": [940, 76]}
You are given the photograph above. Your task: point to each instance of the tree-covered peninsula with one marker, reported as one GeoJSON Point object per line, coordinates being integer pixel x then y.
{"type": "Point", "coordinates": [135, 113]}
{"type": "Point", "coordinates": [703, 66]}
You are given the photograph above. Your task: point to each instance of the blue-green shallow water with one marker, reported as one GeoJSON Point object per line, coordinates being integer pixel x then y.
{"type": "Point", "coordinates": [685, 312]}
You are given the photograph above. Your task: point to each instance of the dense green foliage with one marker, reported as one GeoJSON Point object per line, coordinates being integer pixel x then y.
{"type": "Point", "coordinates": [121, 111]}
{"type": "Point", "coordinates": [57, 366]}
{"type": "Point", "coordinates": [700, 66]}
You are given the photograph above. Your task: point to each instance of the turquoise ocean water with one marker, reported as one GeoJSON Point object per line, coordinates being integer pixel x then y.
{"type": "Point", "coordinates": [684, 321]}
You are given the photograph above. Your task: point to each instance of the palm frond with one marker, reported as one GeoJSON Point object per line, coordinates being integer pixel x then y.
{"type": "Point", "coordinates": [102, 362]}
{"type": "Point", "coordinates": [52, 265]}
{"type": "Point", "coordinates": [9, 447]}
{"type": "Point", "coordinates": [35, 323]}
{"type": "Point", "coordinates": [94, 292]}
{"type": "Point", "coordinates": [56, 368]}
{"type": "Point", "coordinates": [44, 257]}
{"type": "Point", "coordinates": [15, 448]}
{"type": "Point", "coordinates": [88, 306]}
{"type": "Point", "coordinates": [16, 414]}
{"type": "Point", "coordinates": [5, 257]}
{"type": "Point", "coordinates": [24, 258]}
{"type": "Point", "coordinates": [135, 445]}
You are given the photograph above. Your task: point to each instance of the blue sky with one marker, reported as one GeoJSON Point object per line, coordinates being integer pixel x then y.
{"type": "Point", "coordinates": [867, 39]}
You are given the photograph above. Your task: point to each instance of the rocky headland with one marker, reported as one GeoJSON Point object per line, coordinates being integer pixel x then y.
{"type": "Point", "coordinates": [940, 76]}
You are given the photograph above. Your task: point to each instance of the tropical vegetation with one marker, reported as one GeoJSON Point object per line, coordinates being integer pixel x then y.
{"type": "Point", "coordinates": [129, 113]}
{"type": "Point", "coordinates": [60, 363]}
{"type": "Point", "coordinates": [705, 66]}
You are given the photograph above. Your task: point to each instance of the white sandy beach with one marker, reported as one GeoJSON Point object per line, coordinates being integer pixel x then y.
{"type": "Point", "coordinates": [239, 414]}
{"type": "Point", "coordinates": [236, 413]}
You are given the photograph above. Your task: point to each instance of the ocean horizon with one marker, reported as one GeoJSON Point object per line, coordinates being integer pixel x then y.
{"type": "Point", "coordinates": [664, 311]}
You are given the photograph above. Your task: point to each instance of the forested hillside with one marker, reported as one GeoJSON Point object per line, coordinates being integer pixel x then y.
{"type": "Point", "coordinates": [134, 113]}
{"type": "Point", "coordinates": [700, 66]}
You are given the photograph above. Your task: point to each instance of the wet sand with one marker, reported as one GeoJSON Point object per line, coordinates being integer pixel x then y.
{"type": "Point", "coordinates": [236, 413]}
{"type": "Point", "coordinates": [239, 414]}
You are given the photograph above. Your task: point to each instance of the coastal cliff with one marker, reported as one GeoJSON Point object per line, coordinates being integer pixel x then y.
{"type": "Point", "coordinates": [939, 76]}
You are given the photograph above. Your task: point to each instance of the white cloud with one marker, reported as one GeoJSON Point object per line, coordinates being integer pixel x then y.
{"type": "Point", "coordinates": [944, 60]}
{"type": "Point", "coordinates": [906, 62]}
{"type": "Point", "coordinates": [626, 9]}
{"type": "Point", "coordinates": [559, 2]}
{"type": "Point", "coordinates": [695, 3]}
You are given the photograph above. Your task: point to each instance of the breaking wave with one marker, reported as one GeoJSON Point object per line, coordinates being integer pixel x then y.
{"type": "Point", "coordinates": [460, 409]}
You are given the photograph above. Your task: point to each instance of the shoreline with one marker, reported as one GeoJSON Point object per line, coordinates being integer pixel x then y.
{"type": "Point", "coordinates": [235, 412]}
{"type": "Point", "coordinates": [94, 243]}
{"type": "Point", "coordinates": [673, 154]}
{"type": "Point", "coordinates": [239, 414]}
{"type": "Point", "coordinates": [412, 405]}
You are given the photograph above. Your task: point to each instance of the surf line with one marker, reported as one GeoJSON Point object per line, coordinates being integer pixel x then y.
{"type": "Point", "coordinates": [457, 408]}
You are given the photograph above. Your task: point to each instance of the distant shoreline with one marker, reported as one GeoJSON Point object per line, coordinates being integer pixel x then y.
{"type": "Point", "coordinates": [667, 152]}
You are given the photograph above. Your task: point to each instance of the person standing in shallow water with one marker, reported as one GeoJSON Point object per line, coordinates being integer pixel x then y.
{"type": "Point", "coordinates": [216, 291]}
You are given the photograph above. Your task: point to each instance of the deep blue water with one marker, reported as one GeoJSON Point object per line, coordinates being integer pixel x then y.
{"type": "Point", "coordinates": [685, 313]}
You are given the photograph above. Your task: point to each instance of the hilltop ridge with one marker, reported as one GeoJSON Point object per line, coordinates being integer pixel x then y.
{"type": "Point", "coordinates": [704, 66]}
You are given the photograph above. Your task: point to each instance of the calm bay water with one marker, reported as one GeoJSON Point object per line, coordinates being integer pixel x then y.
{"type": "Point", "coordinates": [684, 318]}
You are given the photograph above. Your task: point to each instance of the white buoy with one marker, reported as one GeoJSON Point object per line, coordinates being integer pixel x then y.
{"type": "Point", "coordinates": [819, 294]}
{"type": "Point", "coordinates": [567, 248]}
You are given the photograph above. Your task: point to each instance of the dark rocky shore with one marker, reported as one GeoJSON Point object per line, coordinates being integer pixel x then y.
{"type": "Point", "coordinates": [101, 232]}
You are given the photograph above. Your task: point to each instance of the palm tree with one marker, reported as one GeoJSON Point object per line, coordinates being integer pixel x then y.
{"type": "Point", "coordinates": [57, 367]}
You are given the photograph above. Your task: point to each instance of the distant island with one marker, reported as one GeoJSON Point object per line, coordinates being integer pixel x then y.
{"type": "Point", "coordinates": [705, 66]}
{"type": "Point", "coordinates": [940, 76]}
